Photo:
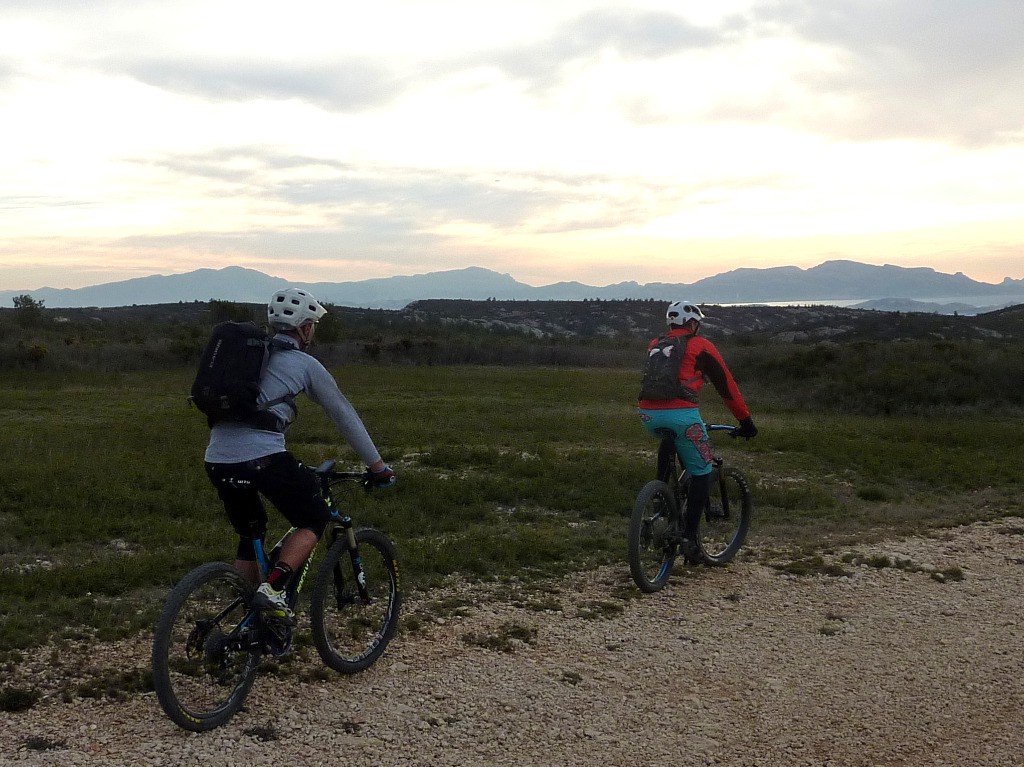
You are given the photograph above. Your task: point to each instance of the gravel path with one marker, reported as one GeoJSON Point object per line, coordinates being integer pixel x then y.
{"type": "Point", "coordinates": [742, 666]}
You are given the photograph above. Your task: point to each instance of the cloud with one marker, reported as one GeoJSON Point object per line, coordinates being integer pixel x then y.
{"type": "Point", "coordinates": [339, 188]}
{"type": "Point", "coordinates": [633, 34]}
{"type": "Point", "coordinates": [860, 70]}
{"type": "Point", "coordinates": [940, 69]}
{"type": "Point", "coordinates": [945, 70]}
{"type": "Point", "coordinates": [7, 72]}
{"type": "Point", "coordinates": [399, 207]}
{"type": "Point", "coordinates": [355, 84]}
{"type": "Point", "coordinates": [348, 85]}
{"type": "Point", "coordinates": [241, 164]}
{"type": "Point", "coordinates": [405, 202]}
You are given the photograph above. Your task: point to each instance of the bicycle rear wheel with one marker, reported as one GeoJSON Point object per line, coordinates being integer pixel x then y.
{"type": "Point", "coordinates": [351, 632]}
{"type": "Point", "coordinates": [205, 649]}
{"type": "Point", "coordinates": [653, 542]}
{"type": "Point", "coordinates": [726, 520]}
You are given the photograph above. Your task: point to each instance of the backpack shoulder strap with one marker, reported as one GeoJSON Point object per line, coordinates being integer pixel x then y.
{"type": "Point", "coordinates": [275, 344]}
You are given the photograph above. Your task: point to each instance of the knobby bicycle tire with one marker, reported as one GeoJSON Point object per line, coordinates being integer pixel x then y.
{"type": "Point", "coordinates": [206, 648]}
{"type": "Point", "coordinates": [726, 519]}
{"type": "Point", "coordinates": [653, 536]}
{"type": "Point", "coordinates": [351, 634]}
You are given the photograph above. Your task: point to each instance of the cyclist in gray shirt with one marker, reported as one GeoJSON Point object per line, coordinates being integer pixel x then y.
{"type": "Point", "coordinates": [245, 462]}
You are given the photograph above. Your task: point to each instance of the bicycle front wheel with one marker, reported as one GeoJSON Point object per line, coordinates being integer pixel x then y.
{"type": "Point", "coordinates": [653, 536]}
{"type": "Point", "coordinates": [352, 630]}
{"type": "Point", "coordinates": [206, 648]}
{"type": "Point", "coordinates": [726, 519]}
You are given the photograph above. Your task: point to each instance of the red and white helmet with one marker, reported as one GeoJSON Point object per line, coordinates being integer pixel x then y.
{"type": "Point", "coordinates": [291, 308]}
{"type": "Point", "coordinates": [681, 312]}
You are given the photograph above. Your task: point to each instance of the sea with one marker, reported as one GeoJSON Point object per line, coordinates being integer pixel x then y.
{"type": "Point", "coordinates": [946, 305]}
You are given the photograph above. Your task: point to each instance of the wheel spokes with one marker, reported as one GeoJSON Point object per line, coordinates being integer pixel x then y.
{"type": "Point", "coordinates": [723, 525]}
{"type": "Point", "coordinates": [211, 650]}
{"type": "Point", "coordinates": [354, 625]}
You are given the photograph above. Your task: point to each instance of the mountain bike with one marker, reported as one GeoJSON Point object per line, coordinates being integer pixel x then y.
{"type": "Point", "coordinates": [209, 641]}
{"type": "Point", "coordinates": [656, 531]}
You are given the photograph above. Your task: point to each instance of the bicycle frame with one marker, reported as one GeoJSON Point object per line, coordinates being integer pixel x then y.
{"type": "Point", "coordinates": [667, 458]}
{"type": "Point", "coordinates": [660, 528]}
{"type": "Point", "coordinates": [668, 455]}
{"type": "Point", "coordinates": [209, 639]}
{"type": "Point", "coordinates": [341, 524]}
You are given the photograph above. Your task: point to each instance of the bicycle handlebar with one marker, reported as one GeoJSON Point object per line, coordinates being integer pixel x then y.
{"type": "Point", "coordinates": [721, 427]}
{"type": "Point", "coordinates": [326, 472]}
{"type": "Point", "coordinates": [362, 476]}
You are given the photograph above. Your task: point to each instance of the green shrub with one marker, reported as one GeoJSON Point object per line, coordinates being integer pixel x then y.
{"type": "Point", "coordinates": [878, 493]}
{"type": "Point", "coordinates": [16, 699]}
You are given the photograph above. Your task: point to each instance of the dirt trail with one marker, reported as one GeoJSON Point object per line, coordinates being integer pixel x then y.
{"type": "Point", "coordinates": [742, 666]}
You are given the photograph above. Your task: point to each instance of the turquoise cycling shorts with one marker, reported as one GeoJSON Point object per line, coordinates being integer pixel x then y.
{"type": "Point", "coordinates": [692, 443]}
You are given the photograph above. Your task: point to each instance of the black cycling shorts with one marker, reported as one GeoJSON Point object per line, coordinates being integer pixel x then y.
{"type": "Point", "coordinates": [292, 488]}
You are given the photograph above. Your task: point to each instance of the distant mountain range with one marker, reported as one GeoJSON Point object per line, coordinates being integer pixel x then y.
{"type": "Point", "coordinates": [833, 282]}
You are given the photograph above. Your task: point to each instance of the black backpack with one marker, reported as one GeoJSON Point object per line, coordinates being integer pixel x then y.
{"type": "Point", "coordinates": [227, 382]}
{"type": "Point", "coordinates": [661, 371]}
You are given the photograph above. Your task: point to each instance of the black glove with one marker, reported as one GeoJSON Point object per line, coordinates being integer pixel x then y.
{"type": "Point", "coordinates": [747, 429]}
{"type": "Point", "coordinates": [383, 478]}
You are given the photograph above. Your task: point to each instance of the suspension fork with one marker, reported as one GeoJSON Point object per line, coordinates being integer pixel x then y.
{"type": "Point", "coordinates": [343, 527]}
{"type": "Point", "coordinates": [723, 492]}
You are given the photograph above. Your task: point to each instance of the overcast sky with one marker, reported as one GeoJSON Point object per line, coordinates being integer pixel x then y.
{"type": "Point", "coordinates": [557, 140]}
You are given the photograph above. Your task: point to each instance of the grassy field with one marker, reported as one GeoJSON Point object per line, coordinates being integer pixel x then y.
{"type": "Point", "coordinates": [503, 472]}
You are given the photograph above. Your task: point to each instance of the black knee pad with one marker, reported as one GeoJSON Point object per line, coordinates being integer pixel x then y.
{"type": "Point", "coordinates": [246, 550]}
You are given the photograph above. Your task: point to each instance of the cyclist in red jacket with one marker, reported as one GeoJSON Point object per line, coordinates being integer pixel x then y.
{"type": "Point", "coordinates": [673, 402]}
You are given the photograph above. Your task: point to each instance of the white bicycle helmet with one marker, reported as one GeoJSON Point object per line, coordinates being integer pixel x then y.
{"type": "Point", "coordinates": [292, 308]}
{"type": "Point", "coordinates": [681, 312]}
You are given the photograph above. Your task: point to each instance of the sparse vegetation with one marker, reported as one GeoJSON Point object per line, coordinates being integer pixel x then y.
{"type": "Point", "coordinates": [37, 743]}
{"type": "Point", "coordinates": [811, 565]}
{"type": "Point", "coordinates": [17, 698]}
{"type": "Point", "coordinates": [818, 565]}
{"type": "Point", "coordinates": [516, 470]}
{"type": "Point", "coordinates": [505, 638]}
{"type": "Point", "coordinates": [948, 574]}
{"type": "Point", "coordinates": [826, 358]}
{"type": "Point", "coordinates": [602, 608]}
{"type": "Point", "coordinates": [266, 733]}
{"type": "Point", "coordinates": [116, 684]}
{"type": "Point", "coordinates": [547, 604]}
{"type": "Point", "coordinates": [572, 677]}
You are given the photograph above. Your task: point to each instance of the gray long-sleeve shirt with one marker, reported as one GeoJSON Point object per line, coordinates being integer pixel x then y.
{"type": "Point", "coordinates": [290, 372]}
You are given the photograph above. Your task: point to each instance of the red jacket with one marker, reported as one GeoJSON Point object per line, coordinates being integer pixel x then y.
{"type": "Point", "coordinates": [701, 362]}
